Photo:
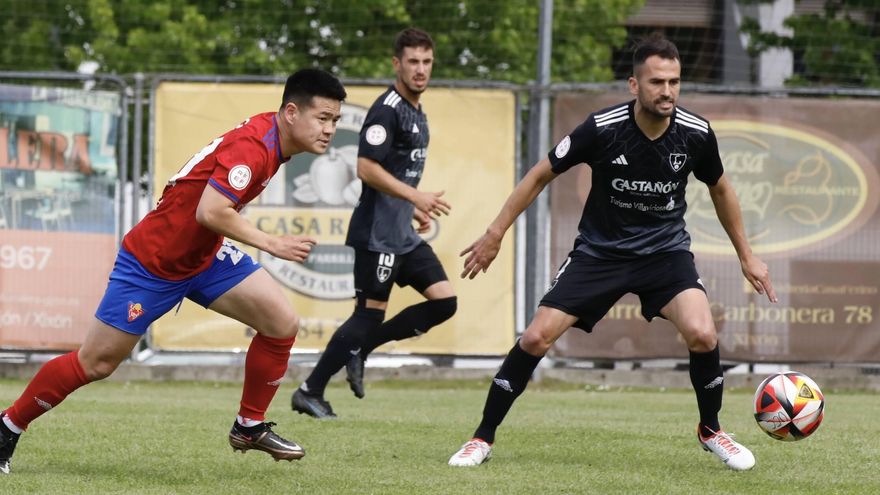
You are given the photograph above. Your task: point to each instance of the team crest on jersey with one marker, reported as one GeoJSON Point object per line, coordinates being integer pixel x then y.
{"type": "Point", "coordinates": [240, 177]}
{"type": "Point", "coordinates": [376, 134]}
{"type": "Point", "coordinates": [676, 161]}
{"type": "Point", "coordinates": [135, 310]}
{"type": "Point", "coordinates": [563, 147]}
{"type": "Point", "coordinates": [382, 273]}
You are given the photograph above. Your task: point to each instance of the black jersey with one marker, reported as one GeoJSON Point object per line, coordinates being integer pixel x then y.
{"type": "Point", "coordinates": [637, 203]}
{"type": "Point", "coordinates": [394, 134]}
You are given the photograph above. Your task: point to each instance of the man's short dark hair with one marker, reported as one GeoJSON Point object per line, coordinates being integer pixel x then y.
{"type": "Point", "coordinates": [412, 37]}
{"type": "Point", "coordinates": [654, 44]}
{"type": "Point", "coordinates": [305, 84]}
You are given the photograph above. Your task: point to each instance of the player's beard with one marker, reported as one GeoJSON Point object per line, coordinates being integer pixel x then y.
{"type": "Point", "coordinates": [654, 108]}
{"type": "Point", "coordinates": [415, 89]}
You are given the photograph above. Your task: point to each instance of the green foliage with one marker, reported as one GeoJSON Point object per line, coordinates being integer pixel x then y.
{"type": "Point", "coordinates": [170, 438]}
{"type": "Point", "coordinates": [475, 39]}
{"type": "Point", "coordinates": [35, 34]}
{"type": "Point", "coordinates": [834, 47]}
{"type": "Point", "coordinates": [584, 34]}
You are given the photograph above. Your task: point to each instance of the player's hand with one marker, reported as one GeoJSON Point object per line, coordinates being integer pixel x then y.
{"type": "Point", "coordinates": [758, 275]}
{"type": "Point", "coordinates": [292, 247]}
{"type": "Point", "coordinates": [431, 203]}
{"type": "Point", "coordinates": [423, 221]}
{"type": "Point", "coordinates": [480, 254]}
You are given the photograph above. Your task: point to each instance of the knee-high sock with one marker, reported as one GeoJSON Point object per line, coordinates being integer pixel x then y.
{"type": "Point", "coordinates": [55, 380]}
{"type": "Point", "coordinates": [707, 377]}
{"type": "Point", "coordinates": [264, 367]}
{"type": "Point", "coordinates": [414, 320]}
{"type": "Point", "coordinates": [508, 384]}
{"type": "Point", "coordinates": [346, 342]}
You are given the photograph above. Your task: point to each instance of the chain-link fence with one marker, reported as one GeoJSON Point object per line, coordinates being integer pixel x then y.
{"type": "Point", "coordinates": [482, 46]}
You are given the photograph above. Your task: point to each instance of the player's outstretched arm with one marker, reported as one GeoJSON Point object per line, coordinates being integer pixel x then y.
{"type": "Point", "coordinates": [216, 212]}
{"type": "Point", "coordinates": [375, 176]}
{"type": "Point", "coordinates": [729, 214]}
{"type": "Point", "coordinates": [483, 251]}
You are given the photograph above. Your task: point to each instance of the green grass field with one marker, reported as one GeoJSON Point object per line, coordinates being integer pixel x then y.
{"type": "Point", "coordinates": [170, 438]}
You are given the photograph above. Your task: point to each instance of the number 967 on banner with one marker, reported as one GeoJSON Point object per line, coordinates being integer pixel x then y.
{"type": "Point", "coordinates": [24, 257]}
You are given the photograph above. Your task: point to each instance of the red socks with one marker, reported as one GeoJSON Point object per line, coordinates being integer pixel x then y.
{"type": "Point", "coordinates": [264, 368]}
{"type": "Point", "coordinates": [57, 379]}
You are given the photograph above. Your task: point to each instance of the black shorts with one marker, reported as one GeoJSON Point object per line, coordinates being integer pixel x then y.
{"type": "Point", "coordinates": [375, 273]}
{"type": "Point", "coordinates": [587, 287]}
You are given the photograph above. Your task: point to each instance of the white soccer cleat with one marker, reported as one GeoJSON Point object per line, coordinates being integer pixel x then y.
{"type": "Point", "coordinates": [473, 453]}
{"type": "Point", "coordinates": [731, 452]}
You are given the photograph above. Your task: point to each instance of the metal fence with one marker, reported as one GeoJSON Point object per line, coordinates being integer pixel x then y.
{"type": "Point", "coordinates": [839, 257]}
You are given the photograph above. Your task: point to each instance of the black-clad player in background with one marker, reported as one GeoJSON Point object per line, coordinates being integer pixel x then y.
{"type": "Point", "coordinates": [631, 238]}
{"type": "Point", "coordinates": [388, 250]}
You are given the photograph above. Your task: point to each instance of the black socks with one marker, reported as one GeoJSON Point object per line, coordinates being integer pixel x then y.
{"type": "Point", "coordinates": [411, 321]}
{"type": "Point", "coordinates": [508, 384]}
{"type": "Point", "coordinates": [707, 378]}
{"type": "Point", "coordinates": [346, 342]}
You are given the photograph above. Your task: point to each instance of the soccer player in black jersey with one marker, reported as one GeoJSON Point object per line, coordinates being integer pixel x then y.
{"type": "Point", "coordinates": [388, 250]}
{"type": "Point", "coordinates": [631, 238]}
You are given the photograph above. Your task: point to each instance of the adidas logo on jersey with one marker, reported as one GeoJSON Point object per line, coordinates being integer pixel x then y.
{"type": "Point", "coordinates": [415, 129]}
{"type": "Point", "coordinates": [620, 160]}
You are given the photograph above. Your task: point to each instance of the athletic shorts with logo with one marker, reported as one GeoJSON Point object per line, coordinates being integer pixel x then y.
{"type": "Point", "coordinates": [376, 273]}
{"type": "Point", "coordinates": [587, 287]}
{"type": "Point", "coordinates": [135, 298]}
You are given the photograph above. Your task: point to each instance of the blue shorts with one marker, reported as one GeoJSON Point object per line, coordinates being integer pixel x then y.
{"type": "Point", "coordinates": [135, 298]}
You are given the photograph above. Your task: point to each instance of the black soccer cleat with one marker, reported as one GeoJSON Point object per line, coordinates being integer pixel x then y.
{"type": "Point", "coordinates": [354, 375]}
{"type": "Point", "coordinates": [8, 440]}
{"type": "Point", "coordinates": [261, 437]}
{"type": "Point", "coordinates": [313, 405]}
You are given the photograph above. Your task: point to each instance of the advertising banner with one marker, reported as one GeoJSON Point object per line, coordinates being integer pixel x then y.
{"type": "Point", "coordinates": [471, 157]}
{"type": "Point", "coordinates": [805, 172]}
{"type": "Point", "coordinates": [58, 174]}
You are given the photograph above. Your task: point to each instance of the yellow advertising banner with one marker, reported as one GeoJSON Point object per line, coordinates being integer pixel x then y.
{"type": "Point", "coordinates": [471, 157]}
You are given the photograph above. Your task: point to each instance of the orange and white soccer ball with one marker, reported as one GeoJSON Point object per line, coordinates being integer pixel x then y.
{"type": "Point", "coordinates": [789, 406]}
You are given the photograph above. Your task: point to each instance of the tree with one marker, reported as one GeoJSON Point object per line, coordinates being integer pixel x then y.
{"type": "Point", "coordinates": [833, 48]}
{"type": "Point", "coordinates": [476, 39]}
{"type": "Point", "coordinates": [35, 34]}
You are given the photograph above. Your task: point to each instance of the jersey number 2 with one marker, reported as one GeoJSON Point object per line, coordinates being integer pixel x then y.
{"type": "Point", "coordinates": [207, 150]}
